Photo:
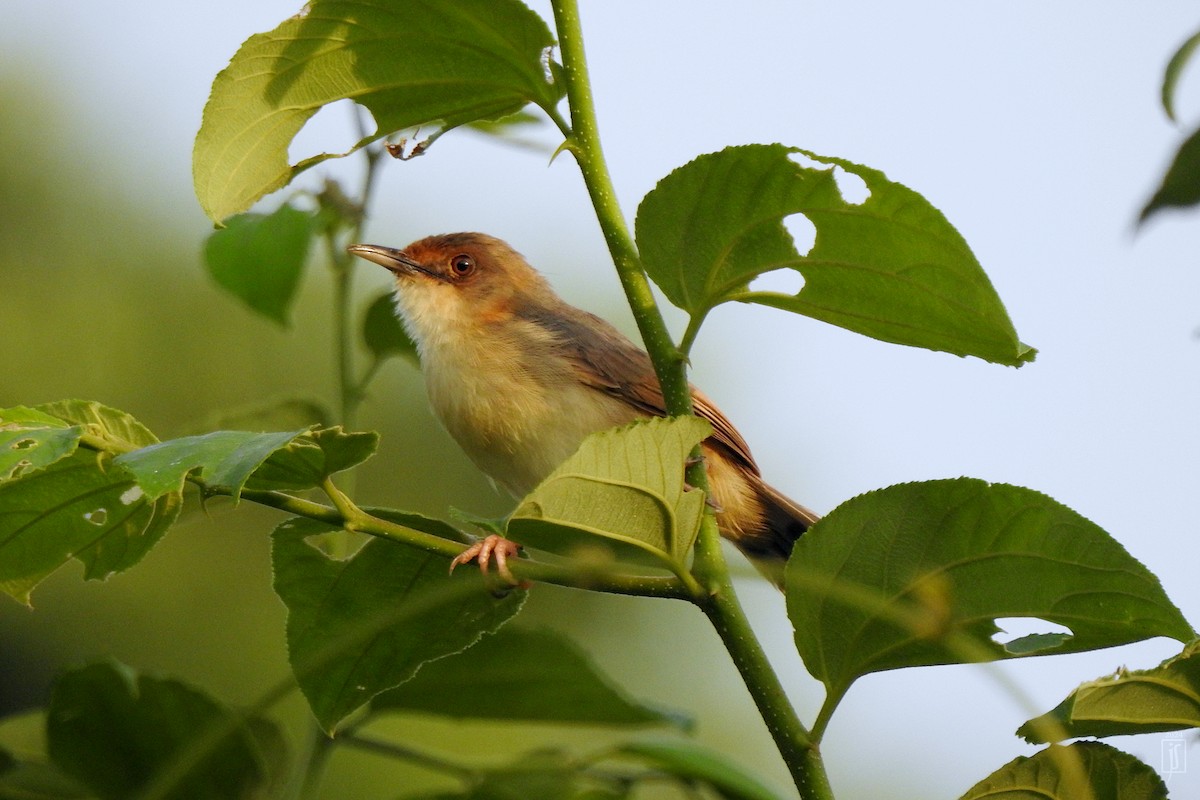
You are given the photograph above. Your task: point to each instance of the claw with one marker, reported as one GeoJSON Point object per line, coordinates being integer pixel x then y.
{"type": "Point", "coordinates": [484, 550]}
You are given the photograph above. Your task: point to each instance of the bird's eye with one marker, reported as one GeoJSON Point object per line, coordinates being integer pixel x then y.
{"type": "Point", "coordinates": [462, 266]}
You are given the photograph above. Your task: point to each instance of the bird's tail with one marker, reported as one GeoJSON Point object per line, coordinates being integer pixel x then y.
{"type": "Point", "coordinates": [783, 522]}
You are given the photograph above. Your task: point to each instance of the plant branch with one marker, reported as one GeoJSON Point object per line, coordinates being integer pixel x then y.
{"type": "Point", "coordinates": [600, 578]}
{"type": "Point", "coordinates": [584, 143]}
{"type": "Point", "coordinates": [406, 753]}
{"type": "Point", "coordinates": [794, 742]}
{"type": "Point", "coordinates": [670, 364]}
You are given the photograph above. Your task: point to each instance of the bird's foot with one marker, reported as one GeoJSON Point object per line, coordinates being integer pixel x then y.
{"type": "Point", "coordinates": [483, 551]}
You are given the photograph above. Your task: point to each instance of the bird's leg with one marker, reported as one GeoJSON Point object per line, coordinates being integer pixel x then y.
{"type": "Point", "coordinates": [484, 550]}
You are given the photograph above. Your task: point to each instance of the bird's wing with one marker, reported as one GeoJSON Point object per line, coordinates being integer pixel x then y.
{"type": "Point", "coordinates": [608, 361]}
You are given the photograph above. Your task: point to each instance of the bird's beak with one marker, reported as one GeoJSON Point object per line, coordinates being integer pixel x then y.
{"type": "Point", "coordinates": [387, 257]}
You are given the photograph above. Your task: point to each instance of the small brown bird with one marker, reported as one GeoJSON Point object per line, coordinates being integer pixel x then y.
{"type": "Point", "coordinates": [519, 378]}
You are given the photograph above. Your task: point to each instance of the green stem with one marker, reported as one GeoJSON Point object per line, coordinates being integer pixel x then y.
{"type": "Point", "coordinates": [670, 363]}
{"type": "Point", "coordinates": [794, 742]}
{"type": "Point", "coordinates": [598, 578]}
{"type": "Point", "coordinates": [349, 396]}
{"type": "Point", "coordinates": [584, 144]}
{"type": "Point", "coordinates": [320, 750]}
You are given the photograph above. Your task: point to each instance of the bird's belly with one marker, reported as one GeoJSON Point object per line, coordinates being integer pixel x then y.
{"type": "Point", "coordinates": [517, 431]}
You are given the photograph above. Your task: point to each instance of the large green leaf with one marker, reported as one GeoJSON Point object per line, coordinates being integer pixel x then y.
{"type": "Point", "coordinates": [919, 573]}
{"type": "Point", "coordinates": [409, 62]}
{"type": "Point", "coordinates": [890, 267]}
{"type": "Point", "coordinates": [1166, 698]}
{"type": "Point", "coordinates": [622, 491]}
{"type": "Point", "coordinates": [532, 675]}
{"type": "Point", "coordinates": [69, 502]}
{"type": "Point", "coordinates": [259, 258]}
{"type": "Point", "coordinates": [81, 507]}
{"type": "Point", "coordinates": [120, 733]}
{"type": "Point", "coordinates": [32, 439]}
{"type": "Point", "coordinates": [359, 626]}
{"type": "Point", "coordinates": [1082, 771]}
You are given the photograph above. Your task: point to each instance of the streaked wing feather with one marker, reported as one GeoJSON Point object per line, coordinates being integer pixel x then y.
{"type": "Point", "coordinates": [608, 361]}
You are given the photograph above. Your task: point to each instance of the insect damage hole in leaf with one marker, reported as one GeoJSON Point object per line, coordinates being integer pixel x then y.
{"type": "Point", "coordinates": [789, 281]}
{"type": "Point", "coordinates": [779, 281]}
{"type": "Point", "coordinates": [851, 187]}
{"type": "Point", "coordinates": [328, 130]}
{"type": "Point", "coordinates": [1026, 635]}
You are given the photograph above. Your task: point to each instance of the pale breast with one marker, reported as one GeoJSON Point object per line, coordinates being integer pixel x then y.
{"type": "Point", "coordinates": [516, 409]}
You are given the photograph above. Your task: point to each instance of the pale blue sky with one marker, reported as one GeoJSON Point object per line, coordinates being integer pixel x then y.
{"type": "Point", "coordinates": [1034, 127]}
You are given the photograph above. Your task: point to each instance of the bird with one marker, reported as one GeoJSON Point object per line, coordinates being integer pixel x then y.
{"type": "Point", "coordinates": [519, 378]}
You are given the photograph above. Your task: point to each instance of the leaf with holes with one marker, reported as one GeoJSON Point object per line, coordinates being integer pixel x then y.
{"type": "Point", "coordinates": [32, 439]}
{"type": "Point", "coordinates": [918, 574]}
{"type": "Point", "coordinates": [622, 492]}
{"type": "Point", "coordinates": [119, 733]}
{"type": "Point", "coordinates": [890, 267]}
{"type": "Point", "coordinates": [409, 63]}
{"type": "Point", "coordinates": [82, 507]}
{"type": "Point", "coordinates": [79, 505]}
{"type": "Point", "coordinates": [1166, 698]}
{"type": "Point", "coordinates": [1081, 770]}
{"type": "Point", "coordinates": [359, 626]}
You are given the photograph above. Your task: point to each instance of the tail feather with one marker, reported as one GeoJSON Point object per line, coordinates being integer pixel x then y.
{"type": "Point", "coordinates": [784, 521]}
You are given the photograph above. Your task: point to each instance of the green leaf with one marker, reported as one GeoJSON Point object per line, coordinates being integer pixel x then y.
{"type": "Point", "coordinates": [409, 63]}
{"type": "Point", "coordinates": [1084, 770]}
{"type": "Point", "coordinates": [224, 459]}
{"type": "Point", "coordinates": [31, 439]}
{"type": "Point", "coordinates": [118, 431]}
{"type": "Point", "coordinates": [383, 334]}
{"type": "Point", "coordinates": [1166, 698]}
{"type": "Point", "coordinates": [78, 504]}
{"type": "Point", "coordinates": [310, 458]}
{"type": "Point", "coordinates": [622, 491]}
{"type": "Point", "coordinates": [532, 675]}
{"type": "Point", "coordinates": [1174, 70]}
{"type": "Point", "coordinates": [81, 507]}
{"type": "Point", "coordinates": [365, 624]}
{"type": "Point", "coordinates": [918, 573]}
{"type": "Point", "coordinates": [34, 781]}
{"type": "Point", "coordinates": [1181, 185]}
{"type": "Point", "coordinates": [259, 258]}
{"type": "Point", "coordinates": [890, 267]}
{"type": "Point", "coordinates": [549, 774]}
{"type": "Point", "coordinates": [698, 763]}
{"type": "Point", "coordinates": [119, 733]}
